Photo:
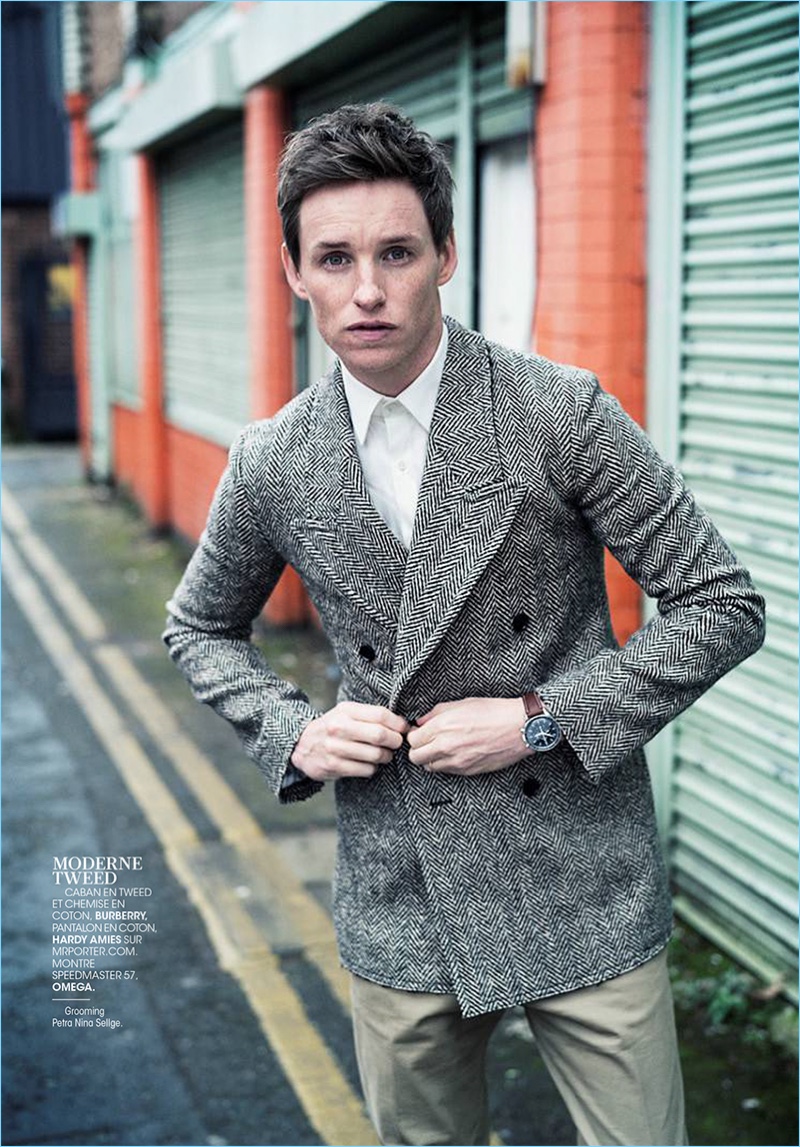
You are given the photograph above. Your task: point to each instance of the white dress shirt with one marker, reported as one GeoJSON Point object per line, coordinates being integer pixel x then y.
{"type": "Point", "coordinates": [392, 440]}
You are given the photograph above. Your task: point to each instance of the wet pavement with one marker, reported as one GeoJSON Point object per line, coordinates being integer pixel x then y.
{"type": "Point", "coordinates": [209, 1050]}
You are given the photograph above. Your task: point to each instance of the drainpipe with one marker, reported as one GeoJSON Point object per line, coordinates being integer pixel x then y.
{"type": "Point", "coordinates": [153, 481]}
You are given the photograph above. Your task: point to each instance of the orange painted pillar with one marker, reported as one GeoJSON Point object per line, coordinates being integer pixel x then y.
{"type": "Point", "coordinates": [590, 170]}
{"type": "Point", "coordinates": [81, 180]}
{"type": "Point", "coordinates": [269, 297]}
{"type": "Point", "coordinates": [81, 158]}
{"type": "Point", "coordinates": [152, 485]}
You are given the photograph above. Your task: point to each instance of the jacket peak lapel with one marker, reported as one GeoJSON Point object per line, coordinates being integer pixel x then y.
{"type": "Point", "coordinates": [340, 529]}
{"type": "Point", "coordinates": [466, 505]}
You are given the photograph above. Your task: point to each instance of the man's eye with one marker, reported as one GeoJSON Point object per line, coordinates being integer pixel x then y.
{"type": "Point", "coordinates": [397, 254]}
{"type": "Point", "coordinates": [335, 259]}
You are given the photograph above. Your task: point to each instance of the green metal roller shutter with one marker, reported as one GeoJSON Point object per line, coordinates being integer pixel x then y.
{"type": "Point", "coordinates": [420, 76]}
{"type": "Point", "coordinates": [201, 194]}
{"type": "Point", "coordinates": [117, 179]}
{"type": "Point", "coordinates": [501, 112]}
{"type": "Point", "coordinates": [437, 77]}
{"type": "Point", "coordinates": [734, 794]}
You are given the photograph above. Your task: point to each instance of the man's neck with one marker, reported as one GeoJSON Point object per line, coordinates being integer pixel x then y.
{"type": "Point", "coordinates": [389, 387]}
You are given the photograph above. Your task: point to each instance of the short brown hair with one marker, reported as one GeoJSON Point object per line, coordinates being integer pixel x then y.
{"type": "Point", "coordinates": [364, 143]}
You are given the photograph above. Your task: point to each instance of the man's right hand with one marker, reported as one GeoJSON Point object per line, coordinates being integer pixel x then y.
{"type": "Point", "coordinates": [350, 740]}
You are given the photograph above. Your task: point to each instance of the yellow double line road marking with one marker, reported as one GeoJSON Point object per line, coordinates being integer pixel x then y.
{"type": "Point", "coordinates": [242, 947]}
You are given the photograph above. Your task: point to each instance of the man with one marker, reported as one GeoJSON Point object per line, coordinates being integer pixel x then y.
{"type": "Point", "coordinates": [447, 502]}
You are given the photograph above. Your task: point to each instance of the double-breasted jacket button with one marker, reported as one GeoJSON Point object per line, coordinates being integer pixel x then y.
{"type": "Point", "coordinates": [531, 786]}
{"type": "Point", "coordinates": [520, 622]}
{"type": "Point", "coordinates": [367, 652]}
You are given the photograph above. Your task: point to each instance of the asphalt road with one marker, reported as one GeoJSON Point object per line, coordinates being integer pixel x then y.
{"type": "Point", "coordinates": [215, 1012]}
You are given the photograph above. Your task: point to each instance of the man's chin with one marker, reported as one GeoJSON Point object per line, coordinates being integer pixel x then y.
{"type": "Point", "coordinates": [377, 368]}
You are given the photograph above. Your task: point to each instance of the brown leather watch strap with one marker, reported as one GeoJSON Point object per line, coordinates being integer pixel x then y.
{"type": "Point", "coordinates": [533, 705]}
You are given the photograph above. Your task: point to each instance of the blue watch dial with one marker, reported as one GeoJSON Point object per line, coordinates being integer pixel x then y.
{"type": "Point", "coordinates": [541, 733]}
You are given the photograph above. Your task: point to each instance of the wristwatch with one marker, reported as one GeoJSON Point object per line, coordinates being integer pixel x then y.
{"type": "Point", "coordinates": [541, 732]}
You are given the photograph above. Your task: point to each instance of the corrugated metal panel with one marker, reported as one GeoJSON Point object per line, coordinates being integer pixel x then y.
{"type": "Point", "coordinates": [734, 802]}
{"type": "Point", "coordinates": [123, 309]}
{"type": "Point", "coordinates": [204, 303]}
{"type": "Point", "coordinates": [423, 75]}
{"type": "Point", "coordinates": [98, 359]}
{"type": "Point", "coordinates": [420, 76]}
{"type": "Point", "coordinates": [501, 112]}
{"type": "Point", "coordinates": [116, 178]}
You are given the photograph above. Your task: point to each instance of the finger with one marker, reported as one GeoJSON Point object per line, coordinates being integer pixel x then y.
{"type": "Point", "coordinates": [438, 710]}
{"type": "Point", "coordinates": [375, 732]}
{"type": "Point", "coordinates": [347, 751]}
{"type": "Point", "coordinates": [418, 737]}
{"type": "Point", "coordinates": [359, 770]}
{"type": "Point", "coordinates": [392, 721]}
{"type": "Point", "coordinates": [366, 733]}
{"type": "Point", "coordinates": [375, 714]}
{"type": "Point", "coordinates": [424, 734]}
{"type": "Point", "coordinates": [434, 712]}
{"type": "Point", "coordinates": [387, 738]}
{"type": "Point", "coordinates": [423, 755]}
{"type": "Point", "coordinates": [345, 724]}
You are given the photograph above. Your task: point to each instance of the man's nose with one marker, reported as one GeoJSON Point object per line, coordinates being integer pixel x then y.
{"type": "Point", "coordinates": [369, 292]}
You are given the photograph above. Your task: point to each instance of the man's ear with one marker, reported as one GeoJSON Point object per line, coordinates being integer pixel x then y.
{"type": "Point", "coordinates": [292, 274]}
{"type": "Point", "coordinates": [448, 260]}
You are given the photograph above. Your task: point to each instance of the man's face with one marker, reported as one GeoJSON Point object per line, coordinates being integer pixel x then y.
{"type": "Point", "coordinates": [371, 272]}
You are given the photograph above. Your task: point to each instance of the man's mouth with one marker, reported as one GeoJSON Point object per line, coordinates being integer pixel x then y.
{"type": "Point", "coordinates": [370, 331]}
{"type": "Point", "coordinates": [371, 326]}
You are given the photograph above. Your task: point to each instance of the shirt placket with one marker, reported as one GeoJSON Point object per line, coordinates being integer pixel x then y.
{"type": "Point", "coordinates": [399, 432]}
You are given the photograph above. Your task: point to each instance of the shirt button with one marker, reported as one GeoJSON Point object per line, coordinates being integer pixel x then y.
{"type": "Point", "coordinates": [401, 466]}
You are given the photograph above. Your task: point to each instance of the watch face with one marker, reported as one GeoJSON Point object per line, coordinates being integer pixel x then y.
{"type": "Point", "coordinates": [542, 733]}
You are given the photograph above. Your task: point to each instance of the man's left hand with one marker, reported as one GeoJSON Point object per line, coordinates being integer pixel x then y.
{"type": "Point", "coordinates": [476, 735]}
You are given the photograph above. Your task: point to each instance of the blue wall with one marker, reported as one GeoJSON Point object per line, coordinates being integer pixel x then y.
{"type": "Point", "coordinates": [34, 124]}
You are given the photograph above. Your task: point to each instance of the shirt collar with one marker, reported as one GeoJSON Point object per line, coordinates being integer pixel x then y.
{"type": "Point", "coordinates": [419, 397]}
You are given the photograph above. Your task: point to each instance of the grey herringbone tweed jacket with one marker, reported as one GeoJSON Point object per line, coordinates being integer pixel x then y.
{"type": "Point", "coordinates": [545, 876]}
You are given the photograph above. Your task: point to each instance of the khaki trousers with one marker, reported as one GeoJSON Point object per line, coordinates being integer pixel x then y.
{"type": "Point", "coordinates": [611, 1050]}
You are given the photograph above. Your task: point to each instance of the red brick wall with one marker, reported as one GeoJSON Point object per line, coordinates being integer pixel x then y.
{"type": "Point", "coordinates": [125, 447]}
{"type": "Point", "coordinates": [193, 470]}
{"type": "Point", "coordinates": [107, 47]}
{"type": "Point", "coordinates": [107, 57]}
{"type": "Point", "coordinates": [590, 165]}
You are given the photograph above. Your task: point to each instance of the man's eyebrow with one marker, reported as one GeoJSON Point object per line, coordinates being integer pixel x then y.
{"type": "Point", "coordinates": [345, 245]}
{"type": "Point", "coordinates": [330, 245]}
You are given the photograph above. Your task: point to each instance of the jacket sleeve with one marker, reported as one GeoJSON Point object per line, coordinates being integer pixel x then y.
{"type": "Point", "coordinates": [709, 616]}
{"type": "Point", "coordinates": [210, 622]}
